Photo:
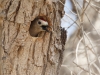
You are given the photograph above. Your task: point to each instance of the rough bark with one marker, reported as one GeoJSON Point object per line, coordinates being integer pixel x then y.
{"type": "Point", "coordinates": [24, 54]}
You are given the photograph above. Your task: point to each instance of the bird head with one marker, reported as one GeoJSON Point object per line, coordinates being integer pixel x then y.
{"type": "Point", "coordinates": [43, 24]}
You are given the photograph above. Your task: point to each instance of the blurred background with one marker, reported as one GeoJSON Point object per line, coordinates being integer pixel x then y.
{"type": "Point", "coordinates": [82, 49]}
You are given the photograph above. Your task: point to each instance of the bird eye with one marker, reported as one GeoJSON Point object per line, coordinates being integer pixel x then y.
{"type": "Point", "coordinates": [39, 22]}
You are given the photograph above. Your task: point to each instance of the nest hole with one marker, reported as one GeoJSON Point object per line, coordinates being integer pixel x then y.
{"type": "Point", "coordinates": [39, 26]}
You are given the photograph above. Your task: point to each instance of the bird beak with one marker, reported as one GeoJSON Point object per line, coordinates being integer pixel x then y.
{"type": "Point", "coordinates": [46, 28]}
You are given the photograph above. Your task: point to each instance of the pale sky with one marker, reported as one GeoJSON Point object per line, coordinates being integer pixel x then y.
{"type": "Point", "coordinates": [66, 21]}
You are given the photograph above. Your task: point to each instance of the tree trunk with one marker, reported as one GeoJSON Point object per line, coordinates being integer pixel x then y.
{"type": "Point", "coordinates": [27, 55]}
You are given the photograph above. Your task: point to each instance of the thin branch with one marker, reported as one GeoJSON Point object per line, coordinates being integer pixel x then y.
{"type": "Point", "coordinates": [82, 68]}
{"type": "Point", "coordinates": [93, 4]}
{"type": "Point", "coordinates": [93, 7]}
{"type": "Point", "coordinates": [89, 20]}
{"type": "Point", "coordinates": [86, 6]}
{"type": "Point", "coordinates": [71, 24]}
{"type": "Point", "coordinates": [68, 8]}
{"type": "Point", "coordinates": [86, 53]}
{"type": "Point", "coordinates": [72, 20]}
{"type": "Point", "coordinates": [89, 41]}
{"type": "Point", "coordinates": [77, 10]}
{"type": "Point", "coordinates": [77, 49]}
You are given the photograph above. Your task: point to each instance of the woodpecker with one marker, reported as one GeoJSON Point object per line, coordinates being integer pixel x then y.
{"type": "Point", "coordinates": [38, 25]}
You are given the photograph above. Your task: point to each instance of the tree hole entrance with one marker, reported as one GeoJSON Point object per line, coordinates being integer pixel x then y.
{"type": "Point", "coordinates": [38, 25]}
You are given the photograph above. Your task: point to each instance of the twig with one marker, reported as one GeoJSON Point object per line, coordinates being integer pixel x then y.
{"type": "Point", "coordinates": [67, 7]}
{"type": "Point", "coordinates": [82, 68]}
